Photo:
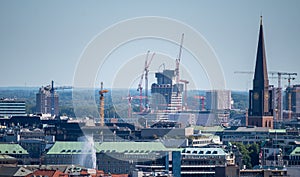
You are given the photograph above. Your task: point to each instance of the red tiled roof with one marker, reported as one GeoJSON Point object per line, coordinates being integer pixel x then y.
{"type": "Point", "coordinates": [49, 173]}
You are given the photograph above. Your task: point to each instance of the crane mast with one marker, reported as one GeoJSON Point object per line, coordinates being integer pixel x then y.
{"type": "Point", "coordinates": [101, 93]}
{"type": "Point", "coordinates": [178, 60]}
{"type": "Point", "coordinates": [147, 64]}
{"type": "Point", "coordinates": [145, 72]}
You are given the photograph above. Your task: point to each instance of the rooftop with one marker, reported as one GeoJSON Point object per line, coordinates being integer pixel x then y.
{"type": "Point", "coordinates": [248, 129]}
{"type": "Point", "coordinates": [120, 147]}
{"type": "Point", "coordinates": [12, 149]}
{"type": "Point", "coordinates": [296, 152]}
{"type": "Point", "coordinates": [204, 151]}
{"type": "Point", "coordinates": [132, 147]}
{"type": "Point", "coordinates": [61, 147]}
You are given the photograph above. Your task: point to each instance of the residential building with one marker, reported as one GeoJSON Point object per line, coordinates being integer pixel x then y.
{"type": "Point", "coordinates": [16, 151]}
{"type": "Point", "coordinates": [12, 107]}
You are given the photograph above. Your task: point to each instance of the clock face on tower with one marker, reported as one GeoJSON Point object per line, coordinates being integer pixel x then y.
{"type": "Point", "coordinates": [255, 95]}
{"type": "Point", "coordinates": [266, 96]}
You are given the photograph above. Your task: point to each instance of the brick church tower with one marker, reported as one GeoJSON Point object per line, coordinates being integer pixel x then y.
{"type": "Point", "coordinates": [260, 97]}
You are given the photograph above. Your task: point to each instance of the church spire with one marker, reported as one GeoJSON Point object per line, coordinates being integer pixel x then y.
{"type": "Point", "coordinates": [260, 98]}
{"type": "Point", "coordinates": [261, 75]}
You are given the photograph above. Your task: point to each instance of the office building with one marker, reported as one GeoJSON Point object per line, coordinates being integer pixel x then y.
{"type": "Point", "coordinates": [203, 161]}
{"type": "Point", "coordinates": [12, 107]}
{"type": "Point", "coordinates": [218, 100]}
{"type": "Point", "coordinates": [47, 101]}
{"type": "Point", "coordinates": [260, 97]}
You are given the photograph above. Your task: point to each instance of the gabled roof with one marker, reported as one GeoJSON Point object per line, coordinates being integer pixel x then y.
{"type": "Point", "coordinates": [296, 152]}
{"type": "Point", "coordinates": [12, 149]}
{"type": "Point", "coordinates": [61, 147]}
{"type": "Point", "coordinates": [13, 171]}
{"type": "Point", "coordinates": [49, 173]}
{"type": "Point", "coordinates": [108, 147]}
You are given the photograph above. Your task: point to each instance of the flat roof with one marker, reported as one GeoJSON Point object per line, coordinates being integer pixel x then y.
{"type": "Point", "coordinates": [203, 151]}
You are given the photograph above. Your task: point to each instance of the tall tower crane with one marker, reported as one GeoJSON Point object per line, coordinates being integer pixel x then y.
{"type": "Point", "coordinates": [145, 72]}
{"type": "Point", "coordinates": [101, 93]}
{"type": "Point", "coordinates": [178, 60]}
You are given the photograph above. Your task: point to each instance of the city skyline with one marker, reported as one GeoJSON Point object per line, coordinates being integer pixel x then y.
{"type": "Point", "coordinates": [43, 41]}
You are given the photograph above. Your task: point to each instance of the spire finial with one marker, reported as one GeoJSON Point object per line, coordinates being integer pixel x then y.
{"type": "Point", "coordinates": [261, 20]}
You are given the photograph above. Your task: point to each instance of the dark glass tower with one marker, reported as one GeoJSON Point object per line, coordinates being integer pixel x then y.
{"type": "Point", "coordinates": [260, 97]}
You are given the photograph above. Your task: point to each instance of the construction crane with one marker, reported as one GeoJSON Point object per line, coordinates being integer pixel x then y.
{"type": "Point", "coordinates": [147, 64]}
{"type": "Point", "coordinates": [145, 72]}
{"type": "Point", "coordinates": [130, 98]}
{"type": "Point", "coordinates": [52, 89]}
{"type": "Point", "coordinates": [185, 92]}
{"type": "Point", "coordinates": [279, 88]}
{"type": "Point", "coordinates": [101, 93]}
{"type": "Point", "coordinates": [178, 60]}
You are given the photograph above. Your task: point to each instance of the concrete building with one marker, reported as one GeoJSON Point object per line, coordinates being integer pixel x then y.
{"type": "Point", "coordinates": [260, 97]}
{"type": "Point", "coordinates": [12, 107]}
{"type": "Point", "coordinates": [218, 100]}
{"type": "Point", "coordinates": [292, 100]}
{"type": "Point", "coordinates": [245, 135]}
{"type": "Point", "coordinates": [47, 101]}
{"type": "Point", "coordinates": [166, 93]}
{"type": "Point", "coordinates": [203, 161]}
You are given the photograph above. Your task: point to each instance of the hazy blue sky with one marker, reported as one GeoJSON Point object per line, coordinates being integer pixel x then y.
{"type": "Point", "coordinates": [42, 41]}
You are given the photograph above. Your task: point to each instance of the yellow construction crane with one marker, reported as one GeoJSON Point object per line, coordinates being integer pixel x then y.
{"type": "Point", "coordinates": [101, 93]}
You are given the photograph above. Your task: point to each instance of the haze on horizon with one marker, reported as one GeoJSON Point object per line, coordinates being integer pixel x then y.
{"type": "Point", "coordinates": [44, 40]}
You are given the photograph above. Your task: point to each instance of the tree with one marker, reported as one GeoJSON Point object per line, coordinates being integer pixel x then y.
{"type": "Point", "coordinates": [250, 154]}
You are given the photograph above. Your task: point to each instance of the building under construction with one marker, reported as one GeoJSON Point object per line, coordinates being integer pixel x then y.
{"type": "Point", "coordinates": [292, 101]}
{"type": "Point", "coordinates": [166, 93]}
{"type": "Point", "coordinates": [46, 101]}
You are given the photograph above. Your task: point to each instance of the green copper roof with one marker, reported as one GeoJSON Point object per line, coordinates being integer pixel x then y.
{"type": "Point", "coordinates": [277, 131]}
{"type": "Point", "coordinates": [132, 147]}
{"type": "Point", "coordinates": [296, 151]}
{"type": "Point", "coordinates": [12, 149]}
{"type": "Point", "coordinates": [67, 147]}
{"type": "Point", "coordinates": [121, 147]}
